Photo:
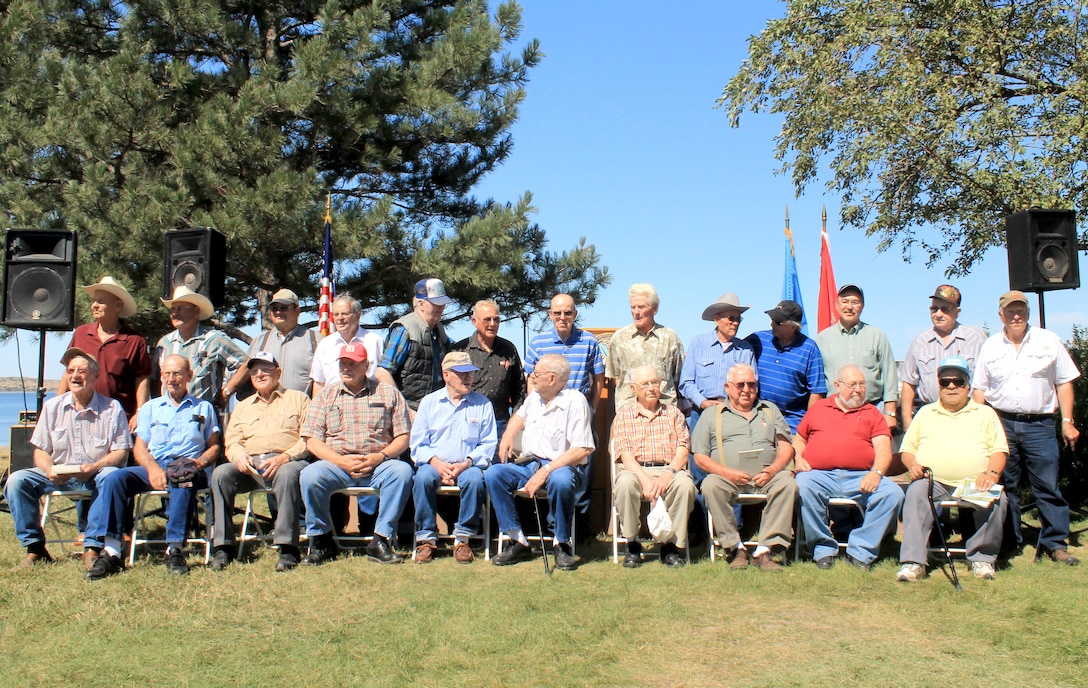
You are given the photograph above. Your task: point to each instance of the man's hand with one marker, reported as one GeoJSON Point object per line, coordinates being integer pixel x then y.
{"type": "Point", "coordinates": [132, 423]}
{"type": "Point", "coordinates": [157, 477]}
{"type": "Point", "coordinates": [916, 471]}
{"type": "Point", "coordinates": [269, 468]}
{"type": "Point", "coordinates": [985, 480]}
{"type": "Point", "coordinates": [891, 420]}
{"type": "Point", "coordinates": [707, 403]}
{"type": "Point", "coordinates": [656, 488]}
{"type": "Point", "coordinates": [870, 482]}
{"type": "Point", "coordinates": [356, 465]}
{"type": "Point", "coordinates": [1070, 434]}
{"type": "Point", "coordinates": [800, 465]}
{"type": "Point", "coordinates": [506, 448]}
{"type": "Point", "coordinates": [737, 477]}
{"type": "Point", "coordinates": [537, 481]}
{"type": "Point", "coordinates": [762, 478]}
{"type": "Point", "coordinates": [447, 472]}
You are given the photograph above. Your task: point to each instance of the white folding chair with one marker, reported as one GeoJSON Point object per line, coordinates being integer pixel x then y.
{"type": "Point", "coordinates": [485, 535]}
{"type": "Point", "coordinates": [957, 505]}
{"type": "Point", "coordinates": [52, 517]}
{"type": "Point", "coordinates": [360, 540]}
{"type": "Point", "coordinates": [799, 527]}
{"type": "Point", "coordinates": [614, 468]}
{"type": "Point", "coordinates": [141, 513]}
{"type": "Point", "coordinates": [541, 495]}
{"type": "Point", "coordinates": [743, 499]}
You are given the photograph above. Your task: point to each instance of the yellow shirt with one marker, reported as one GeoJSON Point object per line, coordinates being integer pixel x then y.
{"type": "Point", "coordinates": [955, 445]}
{"type": "Point", "coordinates": [260, 427]}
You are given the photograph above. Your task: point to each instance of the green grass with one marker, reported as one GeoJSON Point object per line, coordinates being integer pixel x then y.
{"type": "Point", "coordinates": [353, 622]}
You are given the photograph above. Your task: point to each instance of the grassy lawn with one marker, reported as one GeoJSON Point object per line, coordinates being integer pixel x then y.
{"type": "Point", "coordinates": [353, 622]}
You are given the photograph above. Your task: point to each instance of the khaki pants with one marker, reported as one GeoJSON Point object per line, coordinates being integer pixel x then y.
{"type": "Point", "coordinates": [776, 523]}
{"type": "Point", "coordinates": [679, 500]}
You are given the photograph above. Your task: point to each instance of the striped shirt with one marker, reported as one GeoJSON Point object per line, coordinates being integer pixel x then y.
{"type": "Point", "coordinates": [211, 354]}
{"type": "Point", "coordinates": [652, 436]}
{"type": "Point", "coordinates": [362, 423]}
{"type": "Point", "coordinates": [76, 437]}
{"type": "Point", "coordinates": [919, 368]}
{"type": "Point", "coordinates": [580, 349]}
{"type": "Point", "coordinates": [789, 375]}
{"type": "Point", "coordinates": [708, 361]}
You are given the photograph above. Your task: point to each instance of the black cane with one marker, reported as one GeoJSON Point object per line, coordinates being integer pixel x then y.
{"type": "Point", "coordinates": [928, 473]}
{"type": "Point", "coordinates": [540, 529]}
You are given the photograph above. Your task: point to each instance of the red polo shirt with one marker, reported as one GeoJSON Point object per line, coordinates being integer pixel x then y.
{"type": "Point", "coordinates": [841, 439]}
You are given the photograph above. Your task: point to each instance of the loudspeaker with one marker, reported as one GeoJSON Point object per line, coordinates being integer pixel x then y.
{"type": "Point", "coordinates": [1042, 248]}
{"type": "Point", "coordinates": [195, 258]}
{"type": "Point", "coordinates": [22, 451]}
{"type": "Point", "coordinates": [39, 279]}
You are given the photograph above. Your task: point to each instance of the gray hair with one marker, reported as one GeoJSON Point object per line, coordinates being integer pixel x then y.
{"type": "Point", "coordinates": [485, 303]}
{"type": "Point", "coordinates": [739, 367]}
{"type": "Point", "coordinates": [647, 290]}
{"type": "Point", "coordinates": [352, 302]}
{"type": "Point", "coordinates": [554, 363]}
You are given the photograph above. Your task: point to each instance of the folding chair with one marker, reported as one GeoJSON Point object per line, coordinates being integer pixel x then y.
{"type": "Point", "coordinates": [249, 514]}
{"type": "Point", "coordinates": [360, 540]}
{"type": "Point", "coordinates": [541, 495]}
{"type": "Point", "coordinates": [799, 527]}
{"type": "Point", "coordinates": [141, 513]}
{"type": "Point", "coordinates": [958, 505]}
{"type": "Point", "coordinates": [614, 469]}
{"type": "Point", "coordinates": [52, 518]}
{"type": "Point", "coordinates": [455, 491]}
{"type": "Point", "coordinates": [743, 499]}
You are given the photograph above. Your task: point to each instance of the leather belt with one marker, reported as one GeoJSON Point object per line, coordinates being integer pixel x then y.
{"type": "Point", "coordinates": [1024, 417]}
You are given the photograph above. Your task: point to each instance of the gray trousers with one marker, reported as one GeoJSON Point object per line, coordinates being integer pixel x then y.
{"type": "Point", "coordinates": [918, 522]}
{"type": "Point", "coordinates": [228, 480]}
{"type": "Point", "coordinates": [776, 522]}
{"type": "Point", "coordinates": [679, 499]}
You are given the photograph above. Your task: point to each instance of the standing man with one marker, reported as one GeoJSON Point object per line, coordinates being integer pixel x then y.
{"type": "Point", "coordinates": [291, 344]}
{"type": "Point", "coordinates": [81, 437]}
{"type": "Point", "coordinates": [501, 378]}
{"type": "Point", "coordinates": [853, 342]}
{"type": "Point", "coordinates": [264, 446]}
{"type": "Point", "coordinates": [557, 442]}
{"type": "Point", "coordinates": [644, 342]}
{"type": "Point", "coordinates": [356, 429]}
{"type": "Point", "coordinates": [210, 352]}
{"type": "Point", "coordinates": [416, 343]}
{"type": "Point", "coordinates": [177, 440]}
{"type": "Point", "coordinates": [1026, 374]}
{"type": "Point", "coordinates": [121, 354]}
{"type": "Point", "coordinates": [346, 314]}
{"type": "Point", "coordinates": [453, 440]}
{"type": "Point", "coordinates": [945, 339]}
{"type": "Point", "coordinates": [746, 425]}
{"type": "Point", "coordinates": [791, 369]}
{"type": "Point", "coordinates": [579, 347]}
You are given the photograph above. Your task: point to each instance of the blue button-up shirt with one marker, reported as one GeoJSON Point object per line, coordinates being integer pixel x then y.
{"type": "Point", "coordinates": [454, 432]}
{"type": "Point", "coordinates": [706, 365]}
{"type": "Point", "coordinates": [176, 431]}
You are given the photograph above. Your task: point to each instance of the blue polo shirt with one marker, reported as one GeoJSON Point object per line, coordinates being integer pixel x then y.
{"type": "Point", "coordinates": [789, 374]}
{"type": "Point", "coordinates": [172, 432]}
{"type": "Point", "coordinates": [580, 349]}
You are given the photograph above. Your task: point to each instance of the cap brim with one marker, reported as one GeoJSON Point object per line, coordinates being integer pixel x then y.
{"type": "Point", "coordinates": [438, 300]}
{"type": "Point", "coordinates": [463, 368]}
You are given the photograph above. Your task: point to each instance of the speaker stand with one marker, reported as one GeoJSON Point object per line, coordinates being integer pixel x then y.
{"type": "Point", "coordinates": [1042, 311]}
{"type": "Point", "coordinates": [41, 372]}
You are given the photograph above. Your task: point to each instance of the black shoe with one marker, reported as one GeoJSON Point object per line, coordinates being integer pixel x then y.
{"type": "Point", "coordinates": [288, 559]}
{"type": "Point", "coordinates": [564, 560]}
{"type": "Point", "coordinates": [175, 563]}
{"type": "Point", "coordinates": [322, 549]}
{"type": "Point", "coordinates": [632, 560]}
{"type": "Point", "coordinates": [380, 551]}
{"type": "Point", "coordinates": [105, 565]}
{"type": "Point", "coordinates": [221, 559]}
{"type": "Point", "coordinates": [513, 553]}
{"type": "Point", "coordinates": [670, 556]}
{"type": "Point", "coordinates": [857, 563]}
{"type": "Point", "coordinates": [825, 563]}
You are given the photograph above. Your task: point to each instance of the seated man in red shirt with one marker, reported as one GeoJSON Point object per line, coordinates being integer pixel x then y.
{"type": "Point", "coordinates": [843, 450]}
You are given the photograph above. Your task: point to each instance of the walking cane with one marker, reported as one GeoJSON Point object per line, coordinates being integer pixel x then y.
{"type": "Point", "coordinates": [540, 529]}
{"type": "Point", "coordinates": [928, 473]}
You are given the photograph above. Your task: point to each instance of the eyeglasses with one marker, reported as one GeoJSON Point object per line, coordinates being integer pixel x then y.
{"type": "Point", "coordinates": [745, 385]}
{"type": "Point", "coordinates": [649, 384]}
{"type": "Point", "coordinates": [493, 319]}
{"type": "Point", "coordinates": [943, 309]}
{"type": "Point", "coordinates": [562, 314]}
{"type": "Point", "coordinates": [538, 373]}
{"type": "Point", "coordinates": [851, 385]}
{"type": "Point", "coordinates": [952, 382]}
{"type": "Point", "coordinates": [180, 308]}
{"type": "Point", "coordinates": [277, 307]}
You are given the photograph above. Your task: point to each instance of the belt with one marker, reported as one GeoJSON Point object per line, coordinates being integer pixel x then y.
{"type": "Point", "coordinates": [1025, 417]}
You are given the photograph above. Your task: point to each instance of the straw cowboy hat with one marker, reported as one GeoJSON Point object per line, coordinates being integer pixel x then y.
{"type": "Point", "coordinates": [110, 286]}
{"type": "Point", "coordinates": [184, 294]}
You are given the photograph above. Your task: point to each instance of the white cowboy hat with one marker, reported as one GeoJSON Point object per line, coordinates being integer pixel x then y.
{"type": "Point", "coordinates": [110, 286]}
{"type": "Point", "coordinates": [728, 301]}
{"type": "Point", "coordinates": [184, 294]}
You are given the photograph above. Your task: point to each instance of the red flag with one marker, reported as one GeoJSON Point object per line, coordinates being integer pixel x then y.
{"type": "Point", "coordinates": [826, 315]}
{"type": "Point", "coordinates": [328, 291]}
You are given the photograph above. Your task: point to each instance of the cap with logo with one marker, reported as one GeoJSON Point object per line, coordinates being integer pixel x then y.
{"type": "Point", "coordinates": [786, 310]}
{"type": "Point", "coordinates": [262, 357]}
{"type": "Point", "coordinates": [353, 352]}
{"type": "Point", "coordinates": [955, 363]}
{"type": "Point", "coordinates": [946, 292]}
{"type": "Point", "coordinates": [432, 290]}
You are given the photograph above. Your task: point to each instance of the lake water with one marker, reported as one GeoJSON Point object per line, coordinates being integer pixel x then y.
{"type": "Point", "coordinates": [11, 403]}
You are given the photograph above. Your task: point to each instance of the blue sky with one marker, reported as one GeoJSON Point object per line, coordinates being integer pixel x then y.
{"type": "Point", "coordinates": [619, 142]}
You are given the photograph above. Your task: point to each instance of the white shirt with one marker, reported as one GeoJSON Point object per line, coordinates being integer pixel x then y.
{"type": "Point", "coordinates": [551, 429]}
{"type": "Point", "coordinates": [1024, 380]}
{"type": "Point", "coordinates": [326, 365]}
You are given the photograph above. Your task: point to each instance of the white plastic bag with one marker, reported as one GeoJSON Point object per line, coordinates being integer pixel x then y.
{"type": "Point", "coordinates": [659, 522]}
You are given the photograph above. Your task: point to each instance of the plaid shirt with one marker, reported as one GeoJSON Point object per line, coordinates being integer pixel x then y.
{"type": "Point", "coordinates": [211, 354]}
{"type": "Point", "coordinates": [651, 436]}
{"type": "Point", "coordinates": [363, 423]}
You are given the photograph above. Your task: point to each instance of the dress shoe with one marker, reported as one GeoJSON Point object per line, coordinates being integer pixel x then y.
{"type": "Point", "coordinates": [765, 563]}
{"type": "Point", "coordinates": [174, 561]}
{"type": "Point", "coordinates": [825, 563]}
{"type": "Point", "coordinates": [221, 559]}
{"type": "Point", "coordinates": [322, 549]}
{"type": "Point", "coordinates": [90, 556]}
{"type": "Point", "coordinates": [632, 560]}
{"type": "Point", "coordinates": [740, 559]}
{"type": "Point", "coordinates": [1062, 556]}
{"type": "Point", "coordinates": [381, 551]}
{"type": "Point", "coordinates": [462, 553]}
{"type": "Point", "coordinates": [288, 560]}
{"type": "Point", "coordinates": [105, 565]}
{"type": "Point", "coordinates": [670, 555]}
{"type": "Point", "coordinates": [857, 563]}
{"type": "Point", "coordinates": [564, 560]}
{"type": "Point", "coordinates": [425, 553]}
{"type": "Point", "coordinates": [38, 556]}
{"type": "Point", "coordinates": [513, 553]}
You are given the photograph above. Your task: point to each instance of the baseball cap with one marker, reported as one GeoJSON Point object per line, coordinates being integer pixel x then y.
{"type": "Point", "coordinates": [786, 310]}
{"type": "Point", "coordinates": [852, 287]}
{"type": "Point", "coordinates": [946, 292]}
{"type": "Point", "coordinates": [262, 357]}
{"type": "Point", "coordinates": [76, 352]}
{"type": "Point", "coordinates": [285, 296]}
{"type": "Point", "coordinates": [432, 290]}
{"type": "Point", "coordinates": [458, 361]}
{"type": "Point", "coordinates": [353, 352]}
{"type": "Point", "coordinates": [1011, 297]}
{"type": "Point", "coordinates": [957, 363]}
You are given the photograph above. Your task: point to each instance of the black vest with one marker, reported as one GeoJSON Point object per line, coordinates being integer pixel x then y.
{"type": "Point", "coordinates": [416, 377]}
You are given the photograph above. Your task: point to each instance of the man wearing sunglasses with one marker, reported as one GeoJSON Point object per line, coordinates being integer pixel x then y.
{"type": "Point", "coordinates": [1025, 374]}
{"type": "Point", "coordinates": [947, 337]}
{"type": "Point", "coordinates": [958, 439]}
{"type": "Point", "coordinates": [291, 344]}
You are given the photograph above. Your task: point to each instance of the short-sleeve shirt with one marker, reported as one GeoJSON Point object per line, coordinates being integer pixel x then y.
{"type": "Point", "coordinates": [211, 354]}
{"type": "Point", "coordinates": [122, 359]}
{"type": "Point", "coordinates": [1024, 380]}
{"type": "Point", "coordinates": [956, 445]}
{"type": "Point", "coordinates": [927, 350]}
{"type": "Point", "coordinates": [739, 433]}
{"type": "Point", "coordinates": [325, 368]}
{"type": "Point", "coordinates": [365, 422]}
{"type": "Point", "coordinates": [454, 431]}
{"type": "Point", "coordinates": [841, 439]}
{"type": "Point", "coordinates": [789, 375]}
{"type": "Point", "coordinates": [580, 349]}
{"type": "Point", "coordinates": [176, 431]}
{"type": "Point", "coordinates": [652, 436]}
{"type": "Point", "coordinates": [553, 428]}
{"type": "Point", "coordinates": [74, 437]}
{"type": "Point", "coordinates": [866, 347]}
{"type": "Point", "coordinates": [660, 347]}
{"type": "Point", "coordinates": [293, 351]}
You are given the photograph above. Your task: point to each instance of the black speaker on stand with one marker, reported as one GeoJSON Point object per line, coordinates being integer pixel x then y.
{"type": "Point", "coordinates": [195, 258]}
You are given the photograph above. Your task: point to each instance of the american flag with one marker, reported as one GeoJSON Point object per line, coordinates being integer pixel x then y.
{"type": "Point", "coordinates": [328, 290]}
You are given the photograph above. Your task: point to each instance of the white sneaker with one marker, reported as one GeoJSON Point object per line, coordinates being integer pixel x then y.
{"type": "Point", "coordinates": [982, 569]}
{"type": "Point", "coordinates": [910, 572]}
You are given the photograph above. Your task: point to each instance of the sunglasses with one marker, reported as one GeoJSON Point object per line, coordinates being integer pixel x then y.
{"type": "Point", "coordinates": [562, 314]}
{"type": "Point", "coordinates": [952, 382]}
{"type": "Point", "coordinates": [744, 385]}
{"type": "Point", "coordinates": [732, 317]}
{"type": "Point", "coordinates": [943, 309]}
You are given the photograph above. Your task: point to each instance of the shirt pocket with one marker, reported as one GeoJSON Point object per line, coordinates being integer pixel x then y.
{"type": "Point", "coordinates": [1037, 366]}
{"type": "Point", "coordinates": [706, 378]}
{"type": "Point", "coordinates": [60, 441]}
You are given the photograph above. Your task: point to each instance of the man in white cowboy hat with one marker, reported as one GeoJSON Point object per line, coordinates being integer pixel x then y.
{"type": "Point", "coordinates": [211, 353]}
{"type": "Point", "coordinates": [120, 352]}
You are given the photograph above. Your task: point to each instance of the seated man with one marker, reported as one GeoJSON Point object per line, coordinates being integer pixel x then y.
{"type": "Point", "coordinates": [743, 446]}
{"type": "Point", "coordinates": [843, 449]}
{"type": "Point", "coordinates": [178, 432]}
{"type": "Point", "coordinates": [650, 443]}
{"type": "Point", "coordinates": [958, 440]}
{"type": "Point", "coordinates": [81, 437]}
{"type": "Point", "coordinates": [556, 444]}
{"type": "Point", "coordinates": [356, 428]}
{"type": "Point", "coordinates": [262, 439]}
{"type": "Point", "coordinates": [453, 440]}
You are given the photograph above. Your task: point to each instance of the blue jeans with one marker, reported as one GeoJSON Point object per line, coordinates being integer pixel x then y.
{"type": "Point", "coordinates": [24, 491]}
{"type": "Point", "coordinates": [815, 490]}
{"type": "Point", "coordinates": [108, 512]}
{"type": "Point", "coordinates": [392, 479]}
{"type": "Point", "coordinates": [562, 485]}
{"type": "Point", "coordinates": [425, 494]}
{"type": "Point", "coordinates": [1034, 446]}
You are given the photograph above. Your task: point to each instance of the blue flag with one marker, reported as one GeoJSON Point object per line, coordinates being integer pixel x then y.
{"type": "Point", "coordinates": [791, 285]}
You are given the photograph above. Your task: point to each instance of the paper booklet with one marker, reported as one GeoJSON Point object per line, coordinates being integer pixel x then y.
{"type": "Point", "coordinates": [967, 491]}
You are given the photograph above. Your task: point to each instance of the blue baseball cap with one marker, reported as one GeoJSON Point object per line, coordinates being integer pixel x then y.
{"type": "Point", "coordinates": [957, 363]}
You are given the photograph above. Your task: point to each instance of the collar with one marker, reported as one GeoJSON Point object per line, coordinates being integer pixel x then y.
{"type": "Point", "coordinates": [646, 413]}
{"type": "Point", "coordinates": [835, 402]}
{"type": "Point", "coordinates": [575, 334]}
{"type": "Point", "coordinates": [368, 388]}
{"type": "Point", "coordinates": [853, 330]}
{"type": "Point", "coordinates": [276, 393]}
{"type": "Point", "coordinates": [971, 406]}
{"type": "Point", "coordinates": [96, 406]}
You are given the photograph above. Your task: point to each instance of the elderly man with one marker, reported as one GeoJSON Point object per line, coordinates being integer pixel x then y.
{"type": "Point", "coordinates": [121, 353]}
{"type": "Point", "coordinates": [791, 369]}
{"type": "Point", "coordinates": [81, 437]}
{"type": "Point", "coordinates": [743, 446]}
{"type": "Point", "coordinates": [501, 378]}
{"type": "Point", "coordinates": [958, 439]}
{"type": "Point", "coordinates": [843, 449]}
{"type": "Point", "coordinates": [557, 442]}
{"type": "Point", "coordinates": [1025, 374]}
{"type": "Point", "coordinates": [210, 352]}
{"type": "Point", "coordinates": [291, 344]}
{"type": "Point", "coordinates": [644, 342]}
{"type": "Point", "coordinates": [650, 444]}
{"type": "Point", "coordinates": [851, 341]}
{"type": "Point", "coordinates": [264, 446]}
{"type": "Point", "coordinates": [579, 347]}
{"type": "Point", "coordinates": [918, 373]}
{"type": "Point", "coordinates": [356, 429]}
{"type": "Point", "coordinates": [416, 343]}
{"type": "Point", "coordinates": [177, 433]}
{"type": "Point", "coordinates": [453, 440]}
{"type": "Point", "coordinates": [346, 314]}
